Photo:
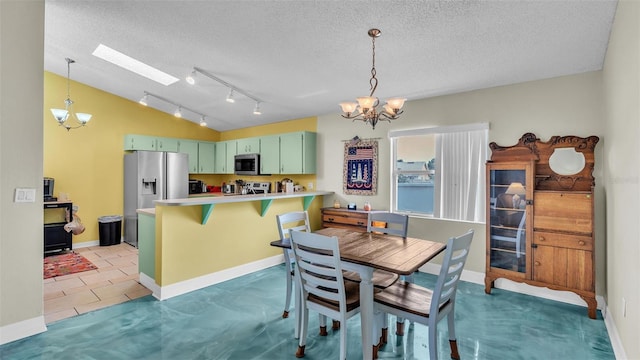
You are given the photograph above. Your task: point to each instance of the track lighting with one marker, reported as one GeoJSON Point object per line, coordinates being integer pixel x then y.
{"type": "Point", "coordinates": [191, 79]}
{"type": "Point", "coordinates": [230, 98]}
{"type": "Point", "coordinates": [256, 110]}
{"type": "Point", "coordinates": [179, 108]}
{"type": "Point", "coordinates": [232, 88]}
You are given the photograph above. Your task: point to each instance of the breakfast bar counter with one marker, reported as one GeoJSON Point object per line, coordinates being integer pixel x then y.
{"type": "Point", "coordinates": [185, 245]}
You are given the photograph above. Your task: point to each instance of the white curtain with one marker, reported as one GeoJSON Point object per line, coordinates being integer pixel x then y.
{"type": "Point", "coordinates": [460, 175]}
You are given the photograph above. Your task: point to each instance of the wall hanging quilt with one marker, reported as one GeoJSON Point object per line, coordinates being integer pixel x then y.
{"type": "Point", "coordinates": [360, 170]}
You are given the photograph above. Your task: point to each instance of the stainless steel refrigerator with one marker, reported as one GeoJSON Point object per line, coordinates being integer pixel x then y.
{"type": "Point", "coordinates": [150, 176]}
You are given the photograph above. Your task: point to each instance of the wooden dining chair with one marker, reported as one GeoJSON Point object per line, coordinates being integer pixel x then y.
{"type": "Point", "coordinates": [299, 221]}
{"type": "Point", "coordinates": [319, 276]}
{"type": "Point", "coordinates": [388, 223]}
{"type": "Point", "coordinates": [397, 226]}
{"type": "Point", "coordinates": [426, 306]}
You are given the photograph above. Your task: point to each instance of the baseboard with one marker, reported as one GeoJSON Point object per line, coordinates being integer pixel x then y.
{"type": "Point", "coordinates": [183, 287]}
{"type": "Point", "coordinates": [22, 329]}
{"type": "Point", "coordinates": [544, 293]}
{"type": "Point", "coordinates": [86, 244]}
{"type": "Point", "coordinates": [150, 283]}
{"type": "Point", "coordinates": [614, 337]}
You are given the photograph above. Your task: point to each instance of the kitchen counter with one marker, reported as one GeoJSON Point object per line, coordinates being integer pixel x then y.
{"type": "Point", "coordinates": [184, 245]}
{"type": "Point", "coordinates": [221, 198]}
{"type": "Point", "coordinates": [208, 202]}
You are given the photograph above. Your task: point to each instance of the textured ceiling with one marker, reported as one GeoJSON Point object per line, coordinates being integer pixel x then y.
{"type": "Point", "coordinates": [304, 57]}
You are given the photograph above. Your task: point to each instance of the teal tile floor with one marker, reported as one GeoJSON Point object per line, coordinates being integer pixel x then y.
{"type": "Point", "coordinates": [241, 319]}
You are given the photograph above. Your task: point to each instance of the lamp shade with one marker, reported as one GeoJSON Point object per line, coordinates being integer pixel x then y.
{"type": "Point", "coordinates": [366, 102]}
{"type": "Point", "coordinates": [515, 188]}
{"type": "Point", "coordinates": [61, 115]}
{"type": "Point", "coordinates": [83, 117]}
{"type": "Point", "coordinates": [348, 107]}
{"type": "Point", "coordinates": [396, 103]}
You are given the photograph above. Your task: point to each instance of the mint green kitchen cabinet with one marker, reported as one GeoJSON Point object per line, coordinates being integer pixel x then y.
{"type": "Point", "coordinates": [248, 145]}
{"type": "Point", "coordinates": [190, 147]}
{"type": "Point", "coordinates": [206, 157]}
{"type": "Point", "coordinates": [290, 153]}
{"type": "Point", "coordinates": [223, 165]}
{"type": "Point", "coordinates": [270, 154]}
{"type": "Point", "coordinates": [298, 153]}
{"type": "Point", "coordinates": [140, 142]}
{"type": "Point", "coordinates": [167, 144]}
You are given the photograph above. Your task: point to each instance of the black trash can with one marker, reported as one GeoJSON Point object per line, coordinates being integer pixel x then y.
{"type": "Point", "coordinates": [109, 229]}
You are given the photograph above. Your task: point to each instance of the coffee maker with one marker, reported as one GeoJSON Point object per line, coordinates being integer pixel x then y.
{"type": "Point", "coordinates": [48, 189]}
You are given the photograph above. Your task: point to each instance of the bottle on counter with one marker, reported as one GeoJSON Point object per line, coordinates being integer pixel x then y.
{"type": "Point", "coordinates": [336, 204]}
{"type": "Point", "coordinates": [366, 206]}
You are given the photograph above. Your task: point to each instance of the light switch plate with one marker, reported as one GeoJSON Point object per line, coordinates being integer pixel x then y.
{"type": "Point", "coordinates": [25, 195]}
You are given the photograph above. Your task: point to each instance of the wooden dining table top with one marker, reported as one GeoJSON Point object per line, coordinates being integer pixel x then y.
{"type": "Point", "coordinates": [380, 251]}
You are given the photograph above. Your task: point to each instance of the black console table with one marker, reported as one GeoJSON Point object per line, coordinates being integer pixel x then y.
{"type": "Point", "coordinates": [55, 236]}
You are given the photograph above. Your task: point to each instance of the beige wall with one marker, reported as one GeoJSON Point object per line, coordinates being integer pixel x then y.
{"type": "Point", "coordinates": [21, 22]}
{"type": "Point", "coordinates": [568, 105]}
{"type": "Point", "coordinates": [621, 77]}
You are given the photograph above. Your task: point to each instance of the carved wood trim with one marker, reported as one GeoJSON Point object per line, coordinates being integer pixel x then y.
{"type": "Point", "coordinates": [531, 148]}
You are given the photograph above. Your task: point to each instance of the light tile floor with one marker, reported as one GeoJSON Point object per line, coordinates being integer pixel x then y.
{"type": "Point", "coordinates": [114, 282]}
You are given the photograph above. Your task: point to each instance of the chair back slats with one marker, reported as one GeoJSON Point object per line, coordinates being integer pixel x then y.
{"type": "Point", "coordinates": [455, 257]}
{"type": "Point", "coordinates": [297, 220]}
{"type": "Point", "coordinates": [388, 223]}
{"type": "Point", "coordinates": [319, 270]}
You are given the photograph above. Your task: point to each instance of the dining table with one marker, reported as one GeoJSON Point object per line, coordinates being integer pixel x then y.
{"type": "Point", "coordinates": [365, 251]}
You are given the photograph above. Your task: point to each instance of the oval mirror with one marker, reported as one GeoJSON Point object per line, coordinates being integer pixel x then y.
{"type": "Point", "coordinates": [566, 161]}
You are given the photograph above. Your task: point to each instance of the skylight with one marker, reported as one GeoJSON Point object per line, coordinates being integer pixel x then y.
{"type": "Point", "coordinates": [126, 62]}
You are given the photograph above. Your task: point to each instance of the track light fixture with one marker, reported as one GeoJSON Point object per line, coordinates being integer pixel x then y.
{"type": "Point", "coordinates": [191, 78]}
{"type": "Point", "coordinates": [232, 88]}
{"type": "Point", "coordinates": [179, 108]}
{"type": "Point", "coordinates": [62, 115]}
{"type": "Point", "coordinates": [230, 98]}
{"type": "Point", "coordinates": [256, 110]}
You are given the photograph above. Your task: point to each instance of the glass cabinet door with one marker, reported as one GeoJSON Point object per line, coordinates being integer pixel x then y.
{"type": "Point", "coordinates": [509, 189]}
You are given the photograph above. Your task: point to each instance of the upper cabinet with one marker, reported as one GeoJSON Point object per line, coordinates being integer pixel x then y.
{"type": "Point", "coordinates": [190, 147]}
{"type": "Point", "coordinates": [270, 154]}
{"type": "Point", "coordinates": [167, 144]}
{"type": "Point", "coordinates": [225, 151]}
{"type": "Point", "coordinates": [290, 153]}
{"type": "Point", "coordinates": [206, 157]}
{"type": "Point", "coordinates": [140, 142]}
{"type": "Point", "coordinates": [540, 215]}
{"type": "Point", "coordinates": [248, 145]}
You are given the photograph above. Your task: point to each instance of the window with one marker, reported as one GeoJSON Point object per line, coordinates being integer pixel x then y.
{"type": "Point", "coordinates": [439, 171]}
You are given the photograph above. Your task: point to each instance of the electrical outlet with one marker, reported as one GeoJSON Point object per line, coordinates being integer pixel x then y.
{"type": "Point", "coordinates": [624, 307]}
{"type": "Point", "coordinates": [310, 186]}
{"type": "Point", "coordinates": [24, 195]}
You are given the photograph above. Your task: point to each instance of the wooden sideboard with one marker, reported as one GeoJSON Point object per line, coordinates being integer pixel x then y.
{"type": "Point", "coordinates": [344, 218]}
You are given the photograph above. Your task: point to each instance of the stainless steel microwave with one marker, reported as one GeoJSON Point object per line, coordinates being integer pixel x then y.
{"type": "Point", "coordinates": [247, 164]}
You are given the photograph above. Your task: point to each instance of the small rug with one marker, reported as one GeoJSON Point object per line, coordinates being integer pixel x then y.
{"type": "Point", "coordinates": [65, 264]}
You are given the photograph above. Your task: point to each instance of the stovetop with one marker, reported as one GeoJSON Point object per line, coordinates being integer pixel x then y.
{"type": "Point", "coordinates": [258, 187]}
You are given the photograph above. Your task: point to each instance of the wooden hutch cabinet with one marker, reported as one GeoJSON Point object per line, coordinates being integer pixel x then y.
{"type": "Point", "coordinates": [540, 227]}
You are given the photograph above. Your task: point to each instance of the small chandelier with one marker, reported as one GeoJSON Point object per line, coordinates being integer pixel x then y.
{"type": "Point", "coordinates": [366, 109]}
{"type": "Point", "coordinates": [62, 115]}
